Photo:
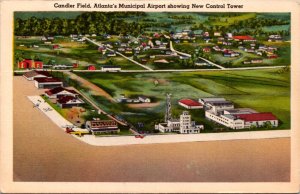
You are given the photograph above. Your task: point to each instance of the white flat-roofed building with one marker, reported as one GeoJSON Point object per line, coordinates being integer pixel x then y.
{"type": "Point", "coordinates": [182, 125]}
{"type": "Point", "coordinates": [218, 106]}
{"type": "Point", "coordinates": [239, 111]}
{"type": "Point", "coordinates": [226, 120]}
{"type": "Point", "coordinates": [110, 68]}
{"type": "Point", "coordinates": [45, 82]}
{"type": "Point", "coordinates": [172, 125]}
{"type": "Point", "coordinates": [210, 99]}
{"type": "Point", "coordinates": [243, 120]}
{"type": "Point", "coordinates": [144, 99]}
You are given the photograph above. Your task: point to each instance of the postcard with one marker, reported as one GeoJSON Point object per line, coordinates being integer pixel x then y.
{"type": "Point", "coordinates": [149, 97]}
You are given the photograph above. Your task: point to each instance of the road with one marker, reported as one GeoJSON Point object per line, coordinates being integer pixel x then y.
{"type": "Point", "coordinates": [167, 70]}
{"type": "Point", "coordinates": [135, 62]}
{"type": "Point", "coordinates": [188, 55]}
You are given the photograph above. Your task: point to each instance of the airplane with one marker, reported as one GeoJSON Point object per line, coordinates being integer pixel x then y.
{"type": "Point", "coordinates": [47, 109]}
{"type": "Point", "coordinates": [36, 105]}
{"type": "Point", "coordinates": [79, 133]}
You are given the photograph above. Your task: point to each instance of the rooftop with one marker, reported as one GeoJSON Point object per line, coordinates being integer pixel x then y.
{"type": "Point", "coordinates": [190, 102]}
{"type": "Point", "coordinates": [35, 73]}
{"type": "Point", "coordinates": [47, 79]}
{"type": "Point", "coordinates": [59, 89]}
{"type": "Point", "coordinates": [245, 37]}
{"type": "Point", "coordinates": [264, 116]}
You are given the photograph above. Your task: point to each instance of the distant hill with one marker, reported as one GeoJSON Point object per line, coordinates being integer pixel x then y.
{"type": "Point", "coordinates": [45, 14]}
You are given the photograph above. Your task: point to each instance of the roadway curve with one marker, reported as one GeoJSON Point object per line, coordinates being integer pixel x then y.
{"type": "Point", "coordinates": [135, 62]}
{"type": "Point", "coordinates": [188, 55]}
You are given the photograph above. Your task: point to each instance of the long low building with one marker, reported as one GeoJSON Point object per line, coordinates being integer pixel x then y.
{"type": "Point", "coordinates": [69, 101]}
{"type": "Point", "coordinates": [45, 82]}
{"type": "Point", "coordinates": [241, 121]}
{"type": "Point", "coordinates": [32, 75]}
{"type": "Point", "coordinates": [59, 92]}
{"type": "Point", "coordinates": [223, 112]}
{"type": "Point", "coordinates": [190, 104]}
{"type": "Point", "coordinates": [102, 126]}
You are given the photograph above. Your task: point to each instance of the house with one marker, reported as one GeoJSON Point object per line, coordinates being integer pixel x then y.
{"type": "Point", "coordinates": [229, 36]}
{"type": "Point", "coordinates": [91, 67]}
{"type": "Point", "coordinates": [206, 34]}
{"type": "Point", "coordinates": [217, 34]}
{"type": "Point", "coordinates": [102, 126]}
{"type": "Point", "coordinates": [56, 46]}
{"type": "Point", "coordinates": [190, 104]}
{"type": "Point", "coordinates": [183, 57]}
{"type": "Point", "coordinates": [69, 101]}
{"type": "Point", "coordinates": [275, 38]}
{"type": "Point", "coordinates": [201, 63]}
{"type": "Point", "coordinates": [121, 49]}
{"type": "Point", "coordinates": [144, 99]}
{"type": "Point", "coordinates": [206, 49]}
{"type": "Point", "coordinates": [256, 61]}
{"type": "Point", "coordinates": [30, 64]}
{"type": "Point", "coordinates": [111, 68]}
{"type": "Point", "coordinates": [59, 92]}
{"type": "Point", "coordinates": [245, 38]}
{"type": "Point", "coordinates": [31, 75]}
{"type": "Point", "coordinates": [273, 56]}
{"type": "Point", "coordinates": [75, 65]}
{"type": "Point", "coordinates": [198, 33]}
{"type": "Point", "coordinates": [111, 54]}
{"type": "Point", "coordinates": [217, 48]}
{"type": "Point", "coordinates": [46, 82]}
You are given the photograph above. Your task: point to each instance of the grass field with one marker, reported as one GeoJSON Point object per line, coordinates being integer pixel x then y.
{"type": "Point", "coordinates": [69, 52]}
{"type": "Point", "coordinates": [262, 90]}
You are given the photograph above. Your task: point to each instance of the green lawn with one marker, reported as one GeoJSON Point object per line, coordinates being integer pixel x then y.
{"type": "Point", "coordinates": [262, 90]}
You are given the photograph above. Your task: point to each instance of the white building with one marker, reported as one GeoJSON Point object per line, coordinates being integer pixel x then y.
{"type": "Point", "coordinates": [43, 82]}
{"type": "Point", "coordinates": [226, 120]}
{"type": "Point", "coordinates": [31, 75]}
{"type": "Point", "coordinates": [210, 99]}
{"type": "Point", "coordinates": [183, 125]}
{"type": "Point", "coordinates": [224, 113]}
{"type": "Point", "coordinates": [110, 68]}
{"type": "Point", "coordinates": [144, 99]}
{"type": "Point", "coordinates": [241, 121]}
{"type": "Point", "coordinates": [218, 106]}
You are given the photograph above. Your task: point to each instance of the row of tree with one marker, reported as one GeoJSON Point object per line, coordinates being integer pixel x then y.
{"type": "Point", "coordinates": [133, 23]}
{"type": "Point", "coordinates": [86, 23]}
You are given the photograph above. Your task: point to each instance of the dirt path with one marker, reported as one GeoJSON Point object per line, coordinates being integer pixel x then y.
{"type": "Point", "coordinates": [143, 105]}
{"type": "Point", "coordinates": [95, 89]}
